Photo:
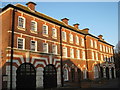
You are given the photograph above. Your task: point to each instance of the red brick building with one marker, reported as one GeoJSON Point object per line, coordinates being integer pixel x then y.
{"type": "Point", "coordinates": [38, 46]}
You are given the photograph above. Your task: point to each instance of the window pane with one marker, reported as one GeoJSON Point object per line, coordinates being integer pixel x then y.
{"type": "Point", "coordinates": [54, 49]}
{"type": "Point", "coordinates": [21, 22]}
{"type": "Point", "coordinates": [45, 30]}
{"type": "Point", "coordinates": [45, 47]}
{"type": "Point", "coordinates": [33, 26]}
{"type": "Point", "coordinates": [20, 43]}
{"type": "Point", "coordinates": [33, 45]}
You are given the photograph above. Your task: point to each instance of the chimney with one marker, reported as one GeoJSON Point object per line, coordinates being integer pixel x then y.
{"type": "Point", "coordinates": [100, 36]}
{"type": "Point", "coordinates": [65, 20]}
{"type": "Point", "coordinates": [31, 5]}
{"type": "Point", "coordinates": [86, 30]}
{"type": "Point", "coordinates": [76, 25]}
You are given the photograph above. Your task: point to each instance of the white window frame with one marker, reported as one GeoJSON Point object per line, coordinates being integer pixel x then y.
{"type": "Point", "coordinates": [91, 43]}
{"type": "Point", "coordinates": [93, 56]}
{"type": "Point", "coordinates": [71, 52]}
{"type": "Point", "coordinates": [23, 22]}
{"type": "Point", "coordinates": [71, 38]}
{"type": "Point", "coordinates": [101, 57]}
{"type": "Point", "coordinates": [66, 79]}
{"type": "Point", "coordinates": [45, 34]}
{"type": "Point", "coordinates": [35, 45]}
{"type": "Point", "coordinates": [96, 55]}
{"type": "Point", "coordinates": [54, 32]}
{"type": "Point", "coordinates": [95, 43]}
{"type": "Point", "coordinates": [54, 48]}
{"type": "Point", "coordinates": [103, 48]}
{"type": "Point", "coordinates": [82, 41]}
{"type": "Point", "coordinates": [83, 55]}
{"type": "Point", "coordinates": [106, 49]}
{"type": "Point", "coordinates": [45, 51]}
{"type": "Point", "coordinates": [111, 50]}
{"type": "Point", "coordinates": [65, 51]}
{"type": "Point", "coordinates": [110, 59]}
{"type": "Point", "coordinates": [64, 37]}
{"type": "Point", "coordinates": [77, 53]}
{"type": "Point", "coordinates": [100, 47]}
{"type": "Point", "coordinates": [77, 40]}
{"type": "Point", "coordinates": [96, 72]}
{"type": "Point", "coordinates": [23, 43]}
{"type": "Point", "coordinates": [34, 26]}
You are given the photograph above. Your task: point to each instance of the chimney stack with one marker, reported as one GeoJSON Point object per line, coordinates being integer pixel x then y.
{"type": "Point", "coordinates": [31, 5]}
{"type": "Point", "coordinates": [86, 30]}
{"type": "Point", "coordinates": [100, 36]}
{"type": "Point", "coordinates": [76, 25]}
{"type": "Point", "coordinates": [65, 20]}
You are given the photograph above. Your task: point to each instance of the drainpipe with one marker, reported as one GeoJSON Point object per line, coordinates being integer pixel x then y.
{"type": "Point", "coordinates": [62, 83]}
{"type": "Point", "coordinates": [86, 55]}
{"type": "Point", "coordinates": [12, 45]}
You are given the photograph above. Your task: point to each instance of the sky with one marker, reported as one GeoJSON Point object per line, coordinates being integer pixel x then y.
{"type": "Point", "coordinates": [99, 17]}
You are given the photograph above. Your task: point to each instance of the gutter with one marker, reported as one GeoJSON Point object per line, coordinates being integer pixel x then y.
{"type": "Point", "coordinates": [61, 54]}
{"type": "Point", "coordinates": [12, 45]}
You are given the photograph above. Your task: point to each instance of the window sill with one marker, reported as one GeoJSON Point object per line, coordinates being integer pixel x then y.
{"type": "Point", "coordinates": [64, 40]}
{"type": "Point", "coordinates": [45, 35]}
{"type": "Point", "coordinates": [35, 32]}
{"type": "Point", "coordinates": [71, 42]}
{"type": "Point", "coordinates": [54, 37]}
{"type": "Point", "coordinates": [20, 28]}
{"type": "Point", "coordinates": [77, 43]}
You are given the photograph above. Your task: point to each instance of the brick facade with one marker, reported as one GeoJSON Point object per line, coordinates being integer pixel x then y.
{"type": "Point", "coordinates": [74, 69]}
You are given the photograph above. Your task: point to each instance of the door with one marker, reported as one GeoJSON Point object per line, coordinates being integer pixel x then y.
{"type": "Point", "coordinates": [112, 72]}
{"type": "Point", "coordinates": [26, 77]}
{"type": "Point", "coordinates": [73, 74]}
{"type": "Point", "coordinates": [50, 76]}
{"type": "Point", "coordinates": [79, 75]}
{"type": "Point", "coordinates": [107, 72]}
{"type": "Point", "coordinates": [101, 72]}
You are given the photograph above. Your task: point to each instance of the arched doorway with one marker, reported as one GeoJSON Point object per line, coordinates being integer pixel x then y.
{"type": "Point", "coordinates": [26, 77]}
{"type": "Point", "coordinates": [65, 74]}
{"type": "Point", "coordinates": [79, 75]}
{"type": "Point", "coordinates": [112, 72]}
{"type": "Point", "coordinates": [50, 76]}
{"type": "Point", "coordinates": [96, 72]}
{"type": "Point", "coordinates": [107, 72]}
{"type": "Point", "coordinates": [72, 74]}
{"type": "Point", "coordinates": [101, 72]}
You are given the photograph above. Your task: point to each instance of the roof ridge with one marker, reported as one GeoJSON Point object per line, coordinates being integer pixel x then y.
{"type": "Point", "coordinates": [37, 12]}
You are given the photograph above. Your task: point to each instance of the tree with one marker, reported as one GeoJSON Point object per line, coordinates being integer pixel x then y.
{"type": "Point", "coordinates": [117, 59]}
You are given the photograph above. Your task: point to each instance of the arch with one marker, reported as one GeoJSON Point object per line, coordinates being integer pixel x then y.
{"type": "Point", "coordinates": [96, 72]}
{"type": "Point", "coordinates": [72, 74]}
{"type": "Point", "coordinates": [50, 76]}
{"type": "Point", "coordinates": [65, 72]}
{"type": "Point", "coordinates": [84, 74]}
{"type": "Point", "coordinates": [26, 73]}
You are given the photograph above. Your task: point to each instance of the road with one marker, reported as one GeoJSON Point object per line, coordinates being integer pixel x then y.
{"type": "Point", "coordinates": [114, 83]}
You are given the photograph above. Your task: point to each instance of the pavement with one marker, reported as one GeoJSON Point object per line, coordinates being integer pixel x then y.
{"type": "Point", "coordinates": [111, 83]}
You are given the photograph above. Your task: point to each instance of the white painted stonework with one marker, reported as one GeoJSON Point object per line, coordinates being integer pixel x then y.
{"type": "Point", "coordinates": [39, 77]}
{"type": "Point", "coordinates": [104, 72]}
{"type": "Point", "coordinates": [110, 73]}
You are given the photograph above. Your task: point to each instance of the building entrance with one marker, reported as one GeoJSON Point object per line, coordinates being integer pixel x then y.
{"type": "Point", "coordinates": [50, 76]}
{"type": "Point", "coordinates": [26, 77]}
